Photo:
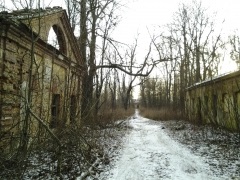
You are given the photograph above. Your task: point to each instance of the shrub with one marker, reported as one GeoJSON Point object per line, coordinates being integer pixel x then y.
{"type": "Point", "coordinates": [161, 114]}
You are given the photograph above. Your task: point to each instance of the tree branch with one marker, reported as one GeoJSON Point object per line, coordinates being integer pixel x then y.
{"type": "Point", "coordinates": [117, 66]}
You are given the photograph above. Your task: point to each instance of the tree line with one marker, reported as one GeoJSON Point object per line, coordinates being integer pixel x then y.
{"type": "Point", "coordinates": [193, 46]}
{"type": "Point", "coordinates": [188, 50]}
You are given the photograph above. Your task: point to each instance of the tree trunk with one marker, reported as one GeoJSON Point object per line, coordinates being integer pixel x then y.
{"type": "Point", "coordinates": [83, 51]}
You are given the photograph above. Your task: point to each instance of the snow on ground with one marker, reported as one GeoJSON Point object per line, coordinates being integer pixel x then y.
{"type": "Point", "coordinates": [220, 148]}
{"type": "Point", "coordinates": [149, 153]}
{"type": "Point", "coordinates": [139, 149]}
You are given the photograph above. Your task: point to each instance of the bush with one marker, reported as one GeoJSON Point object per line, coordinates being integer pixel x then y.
{"type": "Point", "coordinates": [107, 116]}
{"type": "Point", "coordinates": [161, 114]}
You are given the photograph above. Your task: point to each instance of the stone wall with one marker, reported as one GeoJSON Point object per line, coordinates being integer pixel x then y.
{"type": "Point", "coordinates": [216, 101]}
{"type": "Point", "coordinates": [35, 74]}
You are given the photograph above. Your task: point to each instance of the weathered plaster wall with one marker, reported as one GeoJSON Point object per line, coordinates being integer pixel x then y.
{"type": "Point", "coordinates": [54, 74]}
{"type": "Point", "coordinates": [216, 101]}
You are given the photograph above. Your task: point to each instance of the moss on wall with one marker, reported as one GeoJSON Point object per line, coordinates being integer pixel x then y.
{"type": "Point", "coordinates": [216, 101]}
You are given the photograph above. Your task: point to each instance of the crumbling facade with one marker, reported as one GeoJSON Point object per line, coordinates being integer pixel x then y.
{"type": "Point", "coordinates": [216, 101]}
{"type": "Point", "coordinates": [37, 79]}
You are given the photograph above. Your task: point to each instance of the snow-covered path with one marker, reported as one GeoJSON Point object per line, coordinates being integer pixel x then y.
{"type": "Point", "coordinates": [149, 153]}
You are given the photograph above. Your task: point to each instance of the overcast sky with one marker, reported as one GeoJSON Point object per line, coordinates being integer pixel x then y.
{"type": "Point", "coordinates": [143, 14]}
{"type": "Point", "coordinates": [148, 13]}
{"type": "Point", "coordinates": [138, 15]}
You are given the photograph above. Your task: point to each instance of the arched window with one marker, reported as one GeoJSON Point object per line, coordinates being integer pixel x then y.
{"type": "Point", "coordinates": [56, 39]}
{"type": "Point", "coordinates": [52, 39]}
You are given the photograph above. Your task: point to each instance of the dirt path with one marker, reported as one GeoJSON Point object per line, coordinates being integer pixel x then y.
{"type": "Point", "coordinates": [149, 153]}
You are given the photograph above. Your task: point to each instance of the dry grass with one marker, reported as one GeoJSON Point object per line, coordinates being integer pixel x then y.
{"type": "Point", "coordinates": [161, 114]}
{"type": "Point", "coordinates": [108, 116]}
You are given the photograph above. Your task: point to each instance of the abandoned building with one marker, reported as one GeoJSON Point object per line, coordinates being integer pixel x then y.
{"type": "Point", "coordinates": [35, 75]}
{"type": "Point", "coordinates": [216, 101]}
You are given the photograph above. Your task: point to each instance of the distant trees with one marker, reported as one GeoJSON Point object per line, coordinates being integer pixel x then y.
{"type": "Point", "coordinates": [97, 20]}
{"type": "Point", "coordinates": [192, 49]}
{"type": "Point", "coordinates": [102, 57]}
{"type": "Point", "coordinates": [234, 41]}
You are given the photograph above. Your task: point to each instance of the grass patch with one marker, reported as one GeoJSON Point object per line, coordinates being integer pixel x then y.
{"type": "Point", "coordinates": [108, 116]}
{"type": "Point", "coordinates": [161, 114]}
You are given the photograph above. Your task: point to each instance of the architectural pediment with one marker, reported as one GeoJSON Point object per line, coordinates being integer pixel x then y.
{"type": "Point", "coordinates": [40, 21]}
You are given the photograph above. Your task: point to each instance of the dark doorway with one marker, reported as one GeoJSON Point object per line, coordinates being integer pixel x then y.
{"type": "Point", "coordinates": [199, 111]}
{"type": "Point", "coordinates": [215, 106]}
{"type": "Point", "coordinates": [55, 110]}
{"type": "Point", "coordinates": [73, 106]}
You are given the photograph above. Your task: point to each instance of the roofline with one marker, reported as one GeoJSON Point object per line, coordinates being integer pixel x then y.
{"type": "Point", "coordinates": [22, 28]}
{"type": "Point", "coordinates": [216, 79]}
{"type": "Point", "coordinates": [23, 14]}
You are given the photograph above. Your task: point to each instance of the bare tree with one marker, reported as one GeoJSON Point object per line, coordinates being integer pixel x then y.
{"type": "Point", "coordinates": [190, 50]}
{"type": "Point", "coordinates": [98, 17]}
{"type": "Point", "coordinates": [234, 41]}
{"type": "Point", "coordinates": [73, 9]}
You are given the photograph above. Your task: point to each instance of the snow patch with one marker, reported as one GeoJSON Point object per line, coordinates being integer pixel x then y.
{"type": "Point", "coordinates": [149, 153]}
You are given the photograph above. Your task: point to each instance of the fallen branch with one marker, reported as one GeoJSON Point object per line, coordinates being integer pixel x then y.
{"type": "Point", "coordinates": [59, 153]}
{"type": "Point", "coordinates": [46, 127]}
{"type": "Point", "coordinates": [90, 170]}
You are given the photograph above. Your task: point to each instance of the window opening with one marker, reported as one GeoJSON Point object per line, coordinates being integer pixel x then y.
{"type": "Point", "coordinates": [214, 106]}
{"type": "Point", "coordinates": [56, 39]}
{"type": "Point", "coordinates": [199, 110]}
{"type": "Point", "coordinates": [55, 110]}
{"type": "Point", "coordinates": [73, 106]}
{"type": "Point", "coordinates": [206, 108]}
{"type": "Point", "coordinates": [52, 39]}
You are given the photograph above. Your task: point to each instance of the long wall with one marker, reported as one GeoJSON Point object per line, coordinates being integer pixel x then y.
{"type": "Point", "coordinates": [216, 101]}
